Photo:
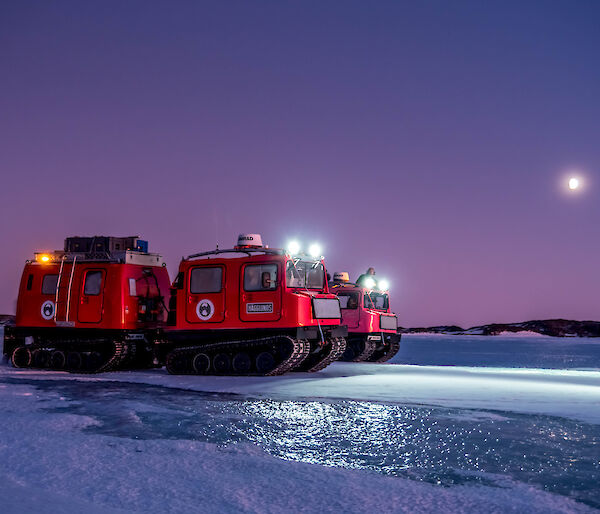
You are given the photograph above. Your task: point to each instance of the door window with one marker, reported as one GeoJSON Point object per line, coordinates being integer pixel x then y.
{"type": "Point", "coordinates": [348, 300]}
{"type": "Point", "coordinates": [93, 283]}
{"type": "Point", "coordinates": [206, 280]}
{"type": "Point", "coordinates": [260, 277]}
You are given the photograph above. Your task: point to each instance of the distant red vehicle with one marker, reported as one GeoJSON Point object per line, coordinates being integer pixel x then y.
{"type": "Point", "coordinates": [372, 327]}
{"type": "Point", "coordinates": [94, 306]}
{"type": "Point", "coordinates": [251, 310]}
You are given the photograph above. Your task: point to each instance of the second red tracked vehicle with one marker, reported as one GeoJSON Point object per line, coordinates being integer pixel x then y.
{"type": "Point", "coordinates": [251, 310]}
{"type": "Point", "coordinates": [372, 327]}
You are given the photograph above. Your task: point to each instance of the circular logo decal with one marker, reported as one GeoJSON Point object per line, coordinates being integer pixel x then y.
{"type": "Point", "coordinates": [47, 310]}
{"type": "Point", "coordinates": [205, 309]}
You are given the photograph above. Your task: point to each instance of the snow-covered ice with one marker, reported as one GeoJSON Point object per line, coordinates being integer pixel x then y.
{"type": "Point", "coordinates": [351, 438]}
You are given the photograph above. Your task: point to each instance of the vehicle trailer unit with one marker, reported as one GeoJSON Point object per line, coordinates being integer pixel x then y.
{"type": "Point", "coordinates": [251, 310]}
{"type": "Point", "coordinates": [372, 327]}
{"type": "Point", "coordinates": [94, 306]}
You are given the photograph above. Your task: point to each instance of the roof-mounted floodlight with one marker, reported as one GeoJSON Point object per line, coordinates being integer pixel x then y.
{"type": "Point", "coordinates": [384, 285]}
{"type": "Point", "coordinates": [293, 247]}
{"type": "Point", "coordinates": [369, 283]}
{"type": "Point", "coordinates": [314, 250]}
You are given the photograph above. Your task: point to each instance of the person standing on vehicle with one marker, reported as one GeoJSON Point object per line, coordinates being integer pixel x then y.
{"type": "Point", "coordinates": [367, 279]}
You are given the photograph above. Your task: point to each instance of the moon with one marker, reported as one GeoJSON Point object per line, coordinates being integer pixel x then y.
{"type": "Point", "coordinates": [573, 183]}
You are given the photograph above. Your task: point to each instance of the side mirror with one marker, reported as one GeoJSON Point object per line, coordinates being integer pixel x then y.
{"type": "Point", "coordinates": [267, 283]}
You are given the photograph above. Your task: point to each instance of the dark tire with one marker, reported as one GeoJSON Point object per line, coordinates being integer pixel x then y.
{"type": "Point", "coordinates": [221, 363]}
{"type": "Point", "coordinates": [74, 361]}
{"type": "Point", "coordinates": [40, 359]}
{"type": "Point", "coordinates": [201, 363]}
{"type": "Point", "coordinates": [265, 362]}
{"type": "Point", "coordinates": [241, 362]}
{"type": "Point", "coordinates": [57, 360]}
{"type": "Point", "coordinates": [21, 357]}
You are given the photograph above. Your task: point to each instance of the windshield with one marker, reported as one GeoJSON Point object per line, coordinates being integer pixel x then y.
{"type": "Point", "coordinates": [377, 301]}
{"type": "Point", "coordinates": [310, 275]}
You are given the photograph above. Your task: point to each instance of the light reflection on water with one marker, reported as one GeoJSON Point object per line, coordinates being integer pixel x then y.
{"type": "Point", "coordinates": [435, 444]}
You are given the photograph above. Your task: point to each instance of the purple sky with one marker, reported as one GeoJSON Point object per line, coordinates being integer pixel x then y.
{"type": "Point", "coordinates": [431, 140]}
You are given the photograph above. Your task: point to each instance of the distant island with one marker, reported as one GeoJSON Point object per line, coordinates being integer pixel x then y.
{"type": "Point", "coordinates": [546, 327]}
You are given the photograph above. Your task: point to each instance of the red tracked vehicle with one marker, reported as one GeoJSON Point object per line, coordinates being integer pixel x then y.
{"type": "Point", "coordinates": [372, 327]}
{"type": "Point", "coordinates": [251, 310]}
{"type": "Point", "coordinates": [94, 306]}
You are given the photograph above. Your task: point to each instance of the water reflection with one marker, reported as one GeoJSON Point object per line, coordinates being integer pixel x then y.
{"type": "Point", "coordinates": [439, 445]}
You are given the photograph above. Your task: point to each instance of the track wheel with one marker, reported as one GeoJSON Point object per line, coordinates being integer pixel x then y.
{"type": "Point", "coordinates": [241, 362]}
{"type": "Point", "coordinates": [221, 363]}
{"type": "Point", "coordinates": [93, 361]}
{"type": "Point", "coordinates": [265, 362]}
{"type": "Point", "coordinates": [201, 363]}
{"type": "Point", "coordinates": [40, 358]}
{"type": "Point", "coordinates": [74, 361]}
{"type": "Point", "coordinates": [57, 360]}
{"type": "Point", "coordinates": [21, 357]}
{"type": "Point", "coordinates": [178, 363]}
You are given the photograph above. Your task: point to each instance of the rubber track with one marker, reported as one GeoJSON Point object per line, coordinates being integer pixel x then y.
{"type": "Point", "coordinates": [394, 347]}
{"type": "Point", "coordinates": [365, 355]}
{"type": "Point", "coordinates": [338, 347]}
{"type": "Point", "coordinates": [119, 354]}
{"type": "Point", "coordinates": [300, 351]}
{"type": "Point", "coordinates": [119, 357]}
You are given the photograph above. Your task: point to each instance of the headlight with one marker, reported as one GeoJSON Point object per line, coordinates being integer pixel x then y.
{"type": "Point", "coordinates": [326, 308]}
{"type": "Point", "coordinates": [384, 285]}
{"type": "Point", "coordinates": [388, 322]}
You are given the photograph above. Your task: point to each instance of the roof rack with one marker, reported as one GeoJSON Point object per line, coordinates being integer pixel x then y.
{"type": "Point", "coordinates": [123, 256]}
{"type": "Point", "coordinates": [247, 251]}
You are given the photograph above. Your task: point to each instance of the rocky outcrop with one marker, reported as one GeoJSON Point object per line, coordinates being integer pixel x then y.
{"type": "Point", "coordinates": [7, 319]}
{"type": "Point", "coordinates": [548, 327]}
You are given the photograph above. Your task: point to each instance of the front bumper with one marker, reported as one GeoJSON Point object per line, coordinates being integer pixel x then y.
{"type": "Point", "coordinates": [328, 332]}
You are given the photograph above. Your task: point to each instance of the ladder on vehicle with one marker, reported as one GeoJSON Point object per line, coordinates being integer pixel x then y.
{"type": "Point", "coordinates": [59, 287]}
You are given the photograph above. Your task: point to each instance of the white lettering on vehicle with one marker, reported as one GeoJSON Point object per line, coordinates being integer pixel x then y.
{"type": "Point", "coordinates": [259, 308]}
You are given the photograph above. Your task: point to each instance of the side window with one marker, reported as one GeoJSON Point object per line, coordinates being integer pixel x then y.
{"type": "Point", "coordinates": [132, 287]}
{"type": "Point", "coordinates": [48, 284]}
{"type": "Point", "coordinates": [93, 283]}
{"type": "Point", "coordinates": [348, 300]}
{"type": "Point", "coordinates": [29, 282]}
{"type": "Point", "coordinates": [206, 280]}
{"type": "Point", "coordinates": [260, 277]}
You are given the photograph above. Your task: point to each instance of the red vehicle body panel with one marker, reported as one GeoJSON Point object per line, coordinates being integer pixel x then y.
{"type": "Point", "coordinates": [105, 304]}
{"type": "Point", "coordinates": [236, 308]}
